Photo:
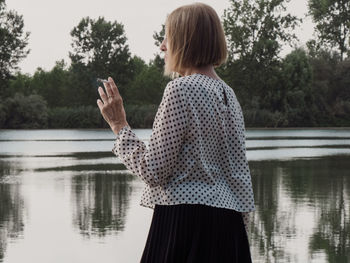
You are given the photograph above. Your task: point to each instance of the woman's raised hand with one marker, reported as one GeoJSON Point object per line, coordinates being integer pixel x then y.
{"type": "Point", "coordinates": [111, 106]}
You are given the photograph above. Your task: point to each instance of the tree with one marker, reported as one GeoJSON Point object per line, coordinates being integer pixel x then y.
{"type": "Point", "coordinates": [99, 50]}
{"type": "Point", "coordinates": [159, 36]}
{"type": "Point", "coordinates": [158, 39]}
{"type": "Point", "coordinates": [138, 66]}
{"type": "Point", "coordinates": [53, 85]}
{"type": "Point", "coordinates": [21, 83]}
{"type": "Point", "coordinates": [296, 94]}
{"type": "Point", "coordinates": [323, 66]}
{"type": "Point", "coordinates": [256, 29]}
{"type": "Point", "coordinates": [13, 42]}
{"type": "Point", "coordinates": [148, 84]}
{"type": "Point", "coordinates": [147, 87]}
{"type": "Point", "coordinates": [255, 32]}
{"type": "Point", "coordinates": [332, 18]}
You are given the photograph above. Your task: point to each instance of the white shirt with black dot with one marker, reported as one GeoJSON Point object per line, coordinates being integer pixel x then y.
{"type": "Point", "coordinates": [196, 153]}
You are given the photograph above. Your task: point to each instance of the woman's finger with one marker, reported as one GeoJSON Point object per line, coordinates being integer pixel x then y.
{"type": "Point", "coordinates": [109, 91]}
{"type": "Point", "coordinates": [99, 104]}
{"type": "Point", "coordinates": [114, 87]}
{"type": "Point", "coordinates": [102, 94]}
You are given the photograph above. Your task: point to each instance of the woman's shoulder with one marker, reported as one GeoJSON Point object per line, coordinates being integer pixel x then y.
{"type": "Point", "coordinates": [180, 80]}
{"type": "Point", "coordinates": [197, 81]}
{"type": "Point", "coordinates": [176, 89]}
{"type": "Point", "coordinates": [196, 78]}
{"type": "Point", "coordinates": [179, 84]}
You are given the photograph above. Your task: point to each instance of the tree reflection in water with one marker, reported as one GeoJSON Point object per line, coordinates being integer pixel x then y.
{"type": "Point", "coordinates": [302, 206]}
{"type": "Point", "coordinates": [11, 207]}
{"type": "Point", "coordinates": [284, 190]}
{"type": "Point", "coordinates": [101, 202]}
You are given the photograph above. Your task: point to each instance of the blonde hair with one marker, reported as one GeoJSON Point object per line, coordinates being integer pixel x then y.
{"type": "Point", "coordinates": [195, 38]}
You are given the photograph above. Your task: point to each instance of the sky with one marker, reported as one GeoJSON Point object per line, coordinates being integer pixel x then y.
{"type": "Point", "coordinates": [50, 22]}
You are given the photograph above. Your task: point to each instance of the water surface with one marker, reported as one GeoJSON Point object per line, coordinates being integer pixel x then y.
{"type": "Point", "coordinates": [64, 197]}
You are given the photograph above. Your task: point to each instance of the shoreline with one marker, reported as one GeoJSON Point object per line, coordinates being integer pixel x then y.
{"type": "Point", "coordinates": [247, 128]}
{"type": "Point", "coordinates": [297, 128]}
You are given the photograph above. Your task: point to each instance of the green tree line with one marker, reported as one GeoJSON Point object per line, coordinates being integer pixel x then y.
{"type": "Point", "coordinates": [309, 87]}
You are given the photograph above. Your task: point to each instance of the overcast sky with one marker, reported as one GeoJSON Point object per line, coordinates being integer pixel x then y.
{"type": "Point", "coordinates": [50, 23]}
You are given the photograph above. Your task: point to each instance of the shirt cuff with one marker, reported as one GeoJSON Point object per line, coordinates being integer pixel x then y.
{"type": "Point", "coordinates": [122, 131]}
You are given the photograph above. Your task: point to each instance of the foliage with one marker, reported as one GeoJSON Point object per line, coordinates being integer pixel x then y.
{"type": "Point", "coordinates": [77, 117]}
{"type": "Point", "coordinates": [99, 51]}
{"type": "Point", "coordinates": [3, 115]}
{"type": "Point", "coordinates": [140, 116]}
{"type": "Point", "coordinates": [147, 87]}
{"type": "Point", "coordinates": [305, 88]}
{"type": "Point", "coordinates": [296, 95]}
{"type": "Point", "coordinates": [255, 31]}
{"type": "Point", "coordinates": [52, 85]}
{"type": "Point", "coordinates": [13, 41]}
{"type": "Point", "coordinates": [22, 112]}
{"type": "Point", "coordinates": [263, 118]}
{"type": "Point", "coordinates": [332, 18]}
{"type": "Point", "coordinates": [20, 83]}
{"type": "Point", "coordinates": [158, 37]}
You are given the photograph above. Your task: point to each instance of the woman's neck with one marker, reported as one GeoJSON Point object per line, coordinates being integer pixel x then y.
{"type": "Point", "coordinates": [207, 70]}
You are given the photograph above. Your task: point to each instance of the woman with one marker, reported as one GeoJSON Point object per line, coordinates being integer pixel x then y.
{"type": "Point", "coordinates": [195, 168]}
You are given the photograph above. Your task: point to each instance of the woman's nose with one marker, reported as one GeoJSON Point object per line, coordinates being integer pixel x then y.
{"type": "Point", "coordinates": [163, 46]}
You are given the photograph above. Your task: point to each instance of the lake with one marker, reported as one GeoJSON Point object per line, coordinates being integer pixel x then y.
{"type": "Point", "coordinates": [65, 197]}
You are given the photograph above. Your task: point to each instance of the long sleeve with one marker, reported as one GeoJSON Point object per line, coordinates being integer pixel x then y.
{"type": "Point", "coordinates": [155, 164]}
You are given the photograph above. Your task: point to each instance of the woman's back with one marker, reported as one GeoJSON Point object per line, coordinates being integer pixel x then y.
{"type": "Point", "coordinates": [196, 152]}
{"type": "Point", "coordinates": [211, 167]}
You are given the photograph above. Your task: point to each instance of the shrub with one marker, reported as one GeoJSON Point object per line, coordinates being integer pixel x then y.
{"type": "Point", "coordinates": [23, 112]}
{"type": "Point", "coordinates": [77, 117]}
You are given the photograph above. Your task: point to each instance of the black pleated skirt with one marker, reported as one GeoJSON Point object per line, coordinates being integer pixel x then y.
{"type": "Point", "coordinates": [191, 233]}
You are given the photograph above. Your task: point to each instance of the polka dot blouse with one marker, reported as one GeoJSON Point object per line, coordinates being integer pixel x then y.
{"type": "Point", "coordinates": [196, 153]}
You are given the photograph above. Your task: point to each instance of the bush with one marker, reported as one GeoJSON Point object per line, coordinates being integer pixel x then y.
{"type": "Point", "coordinates": [2, 115]}
{"type": "Point", "coordinates": [141, 116]}
{"type": "Point", "coordinates": [78, 117]}
{"type": "Point", "coordinates": [138, 116]}
{"type": "Point", "coordinates": [24, 112]}
{"type": "Point", "coordinates": [264, 118]}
